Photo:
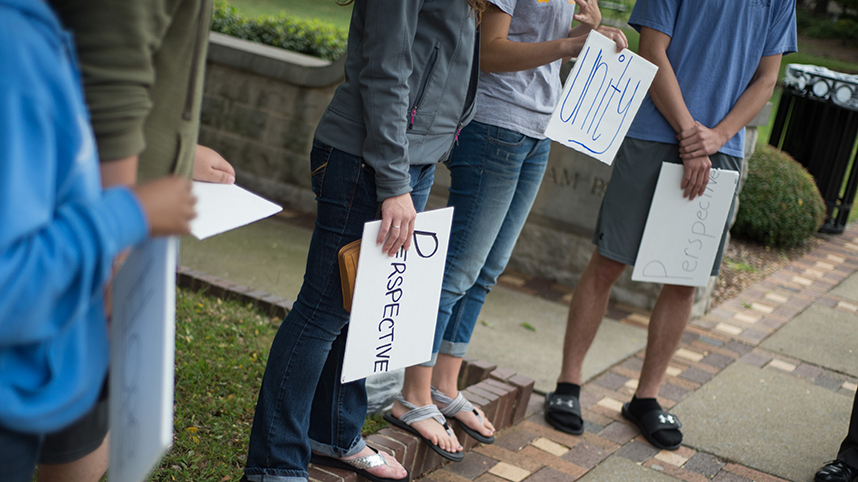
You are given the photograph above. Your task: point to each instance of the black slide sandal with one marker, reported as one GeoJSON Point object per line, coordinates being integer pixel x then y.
{"type": "Point", "coordinates": [565, 404]}
{"type": "Point", "coordinates": [653, 421]}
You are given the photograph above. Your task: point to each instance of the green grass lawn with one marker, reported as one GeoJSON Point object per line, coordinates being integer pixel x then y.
{"type": "Point", "coordinates": [221, 352]}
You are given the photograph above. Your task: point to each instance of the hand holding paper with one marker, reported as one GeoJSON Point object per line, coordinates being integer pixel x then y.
{"type": "Point", "coordinates": [397, 223]}
{"type": "Point", "coordinates": [168, 204]}
{"type": "Point", "coordinates": [210, 166]}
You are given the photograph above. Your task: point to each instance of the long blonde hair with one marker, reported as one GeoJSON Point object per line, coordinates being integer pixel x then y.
{"type": "Point", "coordinates": [476, 5]}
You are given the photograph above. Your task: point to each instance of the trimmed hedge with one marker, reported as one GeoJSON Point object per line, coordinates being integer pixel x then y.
{"type": "Point", "coordinates": [844, 28]}
{"type": "Point", "coordinates": [311, 37]}
{"type": "Point", "coordinates": [779, 204]}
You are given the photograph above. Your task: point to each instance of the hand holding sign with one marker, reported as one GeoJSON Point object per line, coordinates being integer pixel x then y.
{"type": "Point", "coordinates": [681, 237]}
{"type": "Point", "coordinates": [395, 302]}
{"type": "Point", "coordinates": [600, 98]}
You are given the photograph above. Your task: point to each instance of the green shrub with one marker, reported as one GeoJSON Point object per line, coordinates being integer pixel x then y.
{"type": "Point", "coordinates": [844, 28]}
{"type": "Point", "coordinates": [779, 204]}
{"type": "Point", "coordinates": [311, 37]}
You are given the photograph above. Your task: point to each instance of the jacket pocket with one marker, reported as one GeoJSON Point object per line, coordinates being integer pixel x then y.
{"type": "Point", "coordinates": [417, 120]}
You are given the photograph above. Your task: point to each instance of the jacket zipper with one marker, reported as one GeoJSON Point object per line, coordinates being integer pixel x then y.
{"type": "Point", "coordinates": [421, 91]}
{"type": "Point", "coordinates": [202, 32]}
{"type": "Point", "coordinates": [472, 85]}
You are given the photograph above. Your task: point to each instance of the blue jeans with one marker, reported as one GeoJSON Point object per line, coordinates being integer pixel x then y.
{"type": "Point", "coordinates": [19, 453]}
{"type": "Point", "coordinates": [302, 405]}
{"type": "Point", "coordinates": [495, 175]}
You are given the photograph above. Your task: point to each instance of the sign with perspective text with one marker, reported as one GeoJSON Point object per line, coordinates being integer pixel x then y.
{"type": "Point", "coordinates": [396, 298]}
{"type": "Point", "coordinates": [682, 236]}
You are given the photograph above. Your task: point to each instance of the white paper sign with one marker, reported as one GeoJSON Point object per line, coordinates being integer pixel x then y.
{"type": "Point", "coordinates": [395, 304]}
{"type": "Point", "coordinates": [601, 96]}
{"type": "Point", "coordinates": [681, 237]}
{"type": "Point", "coordinates": [141, 360]}
{"type": "Point", "coordinates": [221, 207]}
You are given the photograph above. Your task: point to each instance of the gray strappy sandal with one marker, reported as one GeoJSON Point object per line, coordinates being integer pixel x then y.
{"type": "Point", "coordinates": [452, 406]}
{"type": "Point", "coordinates": [417, 414]}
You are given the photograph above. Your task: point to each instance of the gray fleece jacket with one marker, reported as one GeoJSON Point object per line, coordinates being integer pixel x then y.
{"type": "Point", "coordinates": [410, 83]}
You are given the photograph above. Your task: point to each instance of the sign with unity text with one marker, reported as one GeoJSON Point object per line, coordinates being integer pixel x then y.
{"type": "Point", "coordinates": [600, 98]}
{"type": "Point", "coordinates": [396, 298]}
{"type": "Point", "coordinates": [141, 359]}
{"type": "Point", "coordinates": [681, 237]}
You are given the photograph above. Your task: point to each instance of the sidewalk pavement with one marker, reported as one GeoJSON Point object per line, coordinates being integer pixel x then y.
{"type": "Point", "coordinates": [763, 383]}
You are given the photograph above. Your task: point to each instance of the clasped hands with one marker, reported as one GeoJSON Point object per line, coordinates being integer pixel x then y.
{"type": "Point", "coordinates": [696, 144]}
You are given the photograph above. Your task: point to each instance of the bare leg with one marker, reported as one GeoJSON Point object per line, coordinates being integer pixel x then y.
{"type": "Point", "coordinates": [589, 303]}
{"type": "Point", "coordinates": [90, 468]}
{"type": "Point", "coordinates": [416, 389]}
{"type": "Point", "coordinates": [444, 378]}
{"type": "Point", "coordinates": [666, 325]}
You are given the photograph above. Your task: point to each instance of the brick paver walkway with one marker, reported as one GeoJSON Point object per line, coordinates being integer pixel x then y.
{"type": "Point", "coordinates": [531, 451]}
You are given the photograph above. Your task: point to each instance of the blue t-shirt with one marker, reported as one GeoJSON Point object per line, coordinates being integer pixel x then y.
{"type": "Point", "coordinates": [715, 49]}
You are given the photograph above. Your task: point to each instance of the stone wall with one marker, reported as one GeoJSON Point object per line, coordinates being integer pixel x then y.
{"type": "Point", "coordinates": [260, 110]}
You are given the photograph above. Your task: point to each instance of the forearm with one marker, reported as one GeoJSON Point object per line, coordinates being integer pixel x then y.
{"type": "Point", "coordinates": [580, 30]}
{"type": "Point", "coordinates": [666, 94]}
{"type": "Point", "coordinates": [504, 55]}
{"type": "Point", "coordinates": [52, 274]}
{"type": "Point", "coordinates": [753, 99]}
{"type": "Point", "coordinates": [119, 172]}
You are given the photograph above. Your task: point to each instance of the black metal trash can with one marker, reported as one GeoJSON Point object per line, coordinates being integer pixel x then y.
{"type": "Point", "coordinates": [817, 124]}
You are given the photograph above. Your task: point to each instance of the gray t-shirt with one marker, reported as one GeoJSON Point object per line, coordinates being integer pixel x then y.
{"type": "Point", "coordinates": [523, 101]}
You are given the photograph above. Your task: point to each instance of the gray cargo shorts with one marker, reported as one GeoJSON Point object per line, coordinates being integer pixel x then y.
{"type": "Point", "coordinates": [625, 207]}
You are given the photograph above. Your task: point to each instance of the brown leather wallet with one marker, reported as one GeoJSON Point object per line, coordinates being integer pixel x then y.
{"type": "Point", "coordinates": [348, 260]}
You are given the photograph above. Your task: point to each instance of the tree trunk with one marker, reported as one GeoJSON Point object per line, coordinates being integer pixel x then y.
{"type": "Point", "coordinates": [821, 7]}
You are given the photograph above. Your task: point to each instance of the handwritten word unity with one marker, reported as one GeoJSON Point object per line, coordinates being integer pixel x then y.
{"type": "Point", "coordinates": [600, 98]}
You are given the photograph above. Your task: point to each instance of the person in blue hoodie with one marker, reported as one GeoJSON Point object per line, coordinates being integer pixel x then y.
{"type": "Point", "coordinates": [59, 234]}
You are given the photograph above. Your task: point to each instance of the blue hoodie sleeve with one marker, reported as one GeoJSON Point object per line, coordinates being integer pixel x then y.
{"type": "Point", "coordinates": [58, 232]}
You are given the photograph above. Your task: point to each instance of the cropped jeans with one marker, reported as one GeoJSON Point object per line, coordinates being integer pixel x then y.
{"type": "Point", "coordinates": [302, 405]}
{"type": "Point", "coordinates": [495, 175]}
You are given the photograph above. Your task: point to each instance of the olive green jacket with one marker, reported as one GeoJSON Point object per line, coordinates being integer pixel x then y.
{"type": "Point", "coordinates": [143, 63]}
